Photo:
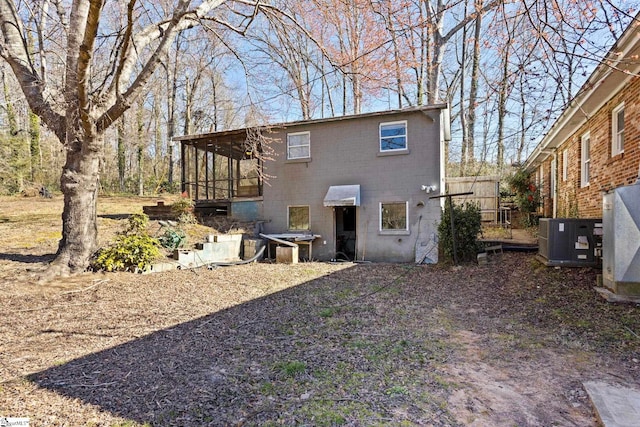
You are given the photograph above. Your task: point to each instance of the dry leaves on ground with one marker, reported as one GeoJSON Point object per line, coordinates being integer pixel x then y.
{"type": "Point", "coordinates": [502, 344]}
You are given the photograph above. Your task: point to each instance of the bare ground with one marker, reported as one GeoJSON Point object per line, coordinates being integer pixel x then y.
{"type": "Point", "coordinates": [504, 344]}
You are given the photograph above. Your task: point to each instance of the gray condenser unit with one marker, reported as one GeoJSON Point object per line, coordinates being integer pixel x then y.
{"type": "Point", "coordinates": [621, 250]}
{"type": "Point", "coordinates": [570, 242]}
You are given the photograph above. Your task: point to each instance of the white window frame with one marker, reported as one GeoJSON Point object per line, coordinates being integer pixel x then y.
{"type": "Point", "coordinates": [541, 180]}
{"type": "Point", "coordinates": [565, 164]}
{"type": "Point", "coordinates": [307, 145]}
{"type": "Point", "coordinates": [381, 138]}
{"type": "Point", "coordinates": [394, 230]}
{"type": "Point", "coordinates": [585, 159]}
{"type": "Point", "coordinates": [617, 134]}
{"type": "Point", "coordinates": [289, 218]}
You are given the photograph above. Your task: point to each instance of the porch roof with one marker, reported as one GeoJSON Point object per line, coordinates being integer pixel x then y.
{"type": "Point", "coordinates": [227, 143]}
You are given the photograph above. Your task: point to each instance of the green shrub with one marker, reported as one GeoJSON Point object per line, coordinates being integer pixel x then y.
{"type": "Point", "coordinates": [182, 206]}
{"type": "Point", "coordinates": [132, 250]}
{"type": "Point", "coordinates": [183, 211]}
{"type": "Point", "coordinates": [467, 221]}
{"type": "Point", "coordinates": [527, 194]}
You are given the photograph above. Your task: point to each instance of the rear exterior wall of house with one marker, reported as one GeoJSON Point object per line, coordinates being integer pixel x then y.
{"type": "Point", "coordinates": [348, 152]}
{"type": "Point", "coordinates": [579, 194]}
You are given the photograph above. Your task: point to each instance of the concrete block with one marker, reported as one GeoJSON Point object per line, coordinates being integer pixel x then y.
{"type": "Point", "coordinates": [616, 405]}
{"type": "Point", "coordinates": [252, 246]}
{"type": "Point", "coordinates": [286, 255]}
{"type": "Point", "coordinates": [227, 238]}
{"type": "Point", "coordinates": [185, 257]}
{"type": "Point", "coordinates": [208, 252]}
{"type": "Point", "coordinates": [482, 258]}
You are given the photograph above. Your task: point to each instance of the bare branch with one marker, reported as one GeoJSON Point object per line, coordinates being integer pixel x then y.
{"type": "Point", "coordinates": [84, 62]}
{"type": "Point", "coordinates": [117, 100]}
{"type": "Point", "coordinates": [14, 50]}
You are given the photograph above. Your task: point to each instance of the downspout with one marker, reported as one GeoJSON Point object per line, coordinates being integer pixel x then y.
{"type": "Point", "coordinates": [554, 181]}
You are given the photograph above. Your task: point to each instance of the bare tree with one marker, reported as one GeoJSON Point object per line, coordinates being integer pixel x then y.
{"type": "Point", "coordinates": [96, 93]}
{"type": "Point", "coordinates": [291, 51]}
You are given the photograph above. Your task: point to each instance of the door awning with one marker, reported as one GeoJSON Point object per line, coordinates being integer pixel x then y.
{"type": "Point", "coordinates": [343, 195]}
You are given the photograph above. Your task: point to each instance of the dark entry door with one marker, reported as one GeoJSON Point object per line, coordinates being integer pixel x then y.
{"type": "Point", "coordinates": [345, 232]}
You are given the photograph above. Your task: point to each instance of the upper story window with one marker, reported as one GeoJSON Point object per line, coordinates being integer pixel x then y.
{"type": "Point", "coordinates": [298, 218]}
{"type": "Point", "coordinates": [585, 159]}
{"type": "Point", "coordinates": [393, 136]}
{"type": "Point", "coordinates": [617, 126]}
{"type": "Point", "coordinates": [298, 145]}
{"type": "Point", "coordinates": [565, 164]}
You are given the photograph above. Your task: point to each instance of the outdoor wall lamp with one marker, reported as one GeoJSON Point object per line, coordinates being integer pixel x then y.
{"type": "Point", "coordinates": [429, 188]}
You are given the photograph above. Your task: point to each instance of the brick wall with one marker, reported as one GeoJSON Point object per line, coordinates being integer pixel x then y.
{"type": "Point", "coordinates": [607, 172]}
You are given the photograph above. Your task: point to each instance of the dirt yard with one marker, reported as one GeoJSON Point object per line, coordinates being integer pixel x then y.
{"type": "Point", "coordinates": [316, 344]}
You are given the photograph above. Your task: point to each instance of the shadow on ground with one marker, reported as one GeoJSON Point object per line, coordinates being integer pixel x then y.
{"type": "Point", "coordinates": [316, 354]}
{"type": "Point", "coordinates": [26, 258]}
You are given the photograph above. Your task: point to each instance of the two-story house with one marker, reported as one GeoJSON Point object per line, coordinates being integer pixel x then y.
{"type": "Point", "coordinates": [360, 185]}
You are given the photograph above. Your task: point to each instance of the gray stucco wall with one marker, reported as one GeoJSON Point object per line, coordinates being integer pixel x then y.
{"type": "Point", "coordinates": [346, 152]}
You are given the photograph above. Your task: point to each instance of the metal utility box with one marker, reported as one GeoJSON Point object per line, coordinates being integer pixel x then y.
{"type": "Point", "coordinates": [570, 242]}
{"type": "Point", "coordinates": [621, 250]}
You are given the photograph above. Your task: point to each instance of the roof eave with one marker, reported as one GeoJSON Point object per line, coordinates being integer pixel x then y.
{"type": "Point", "coordinates": [607, 79]}
{"type": "Point", "coordinates": [232, 132]}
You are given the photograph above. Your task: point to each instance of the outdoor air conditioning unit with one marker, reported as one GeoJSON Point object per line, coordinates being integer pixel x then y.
{"type": "Point", "coordinates": [570, 242]}
{"type": "Point", "coordinates": [621, 250]}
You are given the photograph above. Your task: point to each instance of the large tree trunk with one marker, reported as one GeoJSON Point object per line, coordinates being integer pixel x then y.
{"type": "Point", "coordinates": [79, 185]}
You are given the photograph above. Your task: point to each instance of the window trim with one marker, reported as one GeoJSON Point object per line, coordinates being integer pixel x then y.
{"type": "Point", "coordinates": [585, 160]}
{"type": "Point", "coordinates": [541, 181]}
{"type": "Point", "coordinates": [404, 231]}
{"type": "Point", "coordinates": [406, 137]}
{"type": "Point", "coordinates": [308, 145]}
{"type": "Point", "coordinates": [565, 164]}
{"type": "Point", "coordinates": [289, 217]}
{"type": "Point", "coordinates": [617, 134]}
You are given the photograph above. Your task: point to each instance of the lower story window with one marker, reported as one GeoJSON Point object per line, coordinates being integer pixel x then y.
{"type": "Point", "coordinates": [299, 218]}
{"type": "Point", "coordinates": [393, 216]}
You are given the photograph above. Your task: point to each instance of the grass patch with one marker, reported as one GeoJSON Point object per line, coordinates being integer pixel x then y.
{"type": "Point", "coordinates": [337, 412]}
{"type": "Point", "coordinates": [329, 312]}
{"type": "Point", "coordinates": [291, 369]}
{"type": "Point", "coordinates": [397, 390]}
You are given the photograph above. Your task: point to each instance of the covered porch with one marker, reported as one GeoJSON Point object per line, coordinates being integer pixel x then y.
{"type": "Point", "coordinates": [219, 169]}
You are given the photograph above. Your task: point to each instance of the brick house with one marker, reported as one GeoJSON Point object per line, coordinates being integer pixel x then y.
{"type": "Point", "coordinates": [359, 185]}
{"type": "Point", "coordinates": [594, 146]}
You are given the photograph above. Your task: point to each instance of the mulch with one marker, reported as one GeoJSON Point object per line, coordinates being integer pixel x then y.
{"type": "Point", "coordinates": [312, 344]}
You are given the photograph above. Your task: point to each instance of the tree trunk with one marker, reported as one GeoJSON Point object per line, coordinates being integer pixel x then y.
{"type": "Point", "coordinates": [121, 154]}
{"type": "Point", "coordinates": [473, 93]}
{"type": "Point", "coordinates": [463, 92]}
{"type": "Point", "coordinates": [34, 146]}
{"type": "Point", "coordinates": [79, 185]}
{"type": "Point", "coordinates": [140, 150]}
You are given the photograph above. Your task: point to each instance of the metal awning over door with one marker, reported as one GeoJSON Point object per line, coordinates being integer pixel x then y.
{"type": "Point", "coordinates": [343, 195]}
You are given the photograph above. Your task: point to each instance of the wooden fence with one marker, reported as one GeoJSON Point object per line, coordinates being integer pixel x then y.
{"type": "Point", "coordinates": [486, 193]}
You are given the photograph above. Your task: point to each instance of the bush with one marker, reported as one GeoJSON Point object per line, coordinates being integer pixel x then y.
{"type": "Point", "coordinates": [467, 227]}
{"type": "Point", "coordinates": [527, 195]}
{"type": "Point", "coordinates": [183, 210]}
{"type": "Point", "coordinates": [133, 249]}
{"type": "Point", "coordinates": [182, 206]}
